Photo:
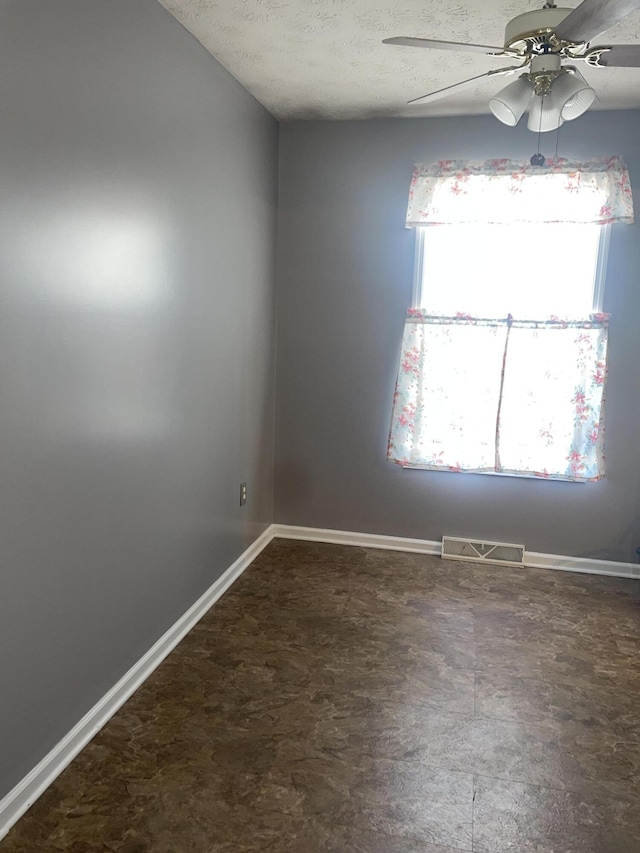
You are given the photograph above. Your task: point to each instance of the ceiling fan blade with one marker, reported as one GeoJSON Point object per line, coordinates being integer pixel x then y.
{"type": "Point", "coordinates": [593, 17]}
{"type": "Point", "coordinates": [405, 41]}
{"type": "Point", "coordinates": [616, 56]}
{"type": "Point", "coordinates": [464, 84]}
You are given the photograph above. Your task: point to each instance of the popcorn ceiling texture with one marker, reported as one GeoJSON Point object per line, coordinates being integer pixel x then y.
{"type": "Point", "coordinates": [306, 59]}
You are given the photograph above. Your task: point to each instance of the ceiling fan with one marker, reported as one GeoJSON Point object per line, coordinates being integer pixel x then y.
{"type": "Point", "coordinates": [539, 41]}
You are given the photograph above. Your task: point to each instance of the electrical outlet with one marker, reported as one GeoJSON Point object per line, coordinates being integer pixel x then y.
{"type": "Point", "coordinates": [243, 494]}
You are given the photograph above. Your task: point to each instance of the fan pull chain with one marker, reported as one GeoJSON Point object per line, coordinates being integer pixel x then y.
{"type": "Point", "coordinates": [540, 124]}
{"type": "Point", "coordinates": [539, 158]}
{"type": "Point", "coordinates": [555, 156]}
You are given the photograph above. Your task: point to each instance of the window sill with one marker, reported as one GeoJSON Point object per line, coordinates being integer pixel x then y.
{"type": "Point", "coordinates": [549, 479]}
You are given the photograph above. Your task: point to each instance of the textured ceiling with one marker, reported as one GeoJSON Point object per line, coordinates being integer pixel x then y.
{"type": "Point", "coordinates": [306, 59]}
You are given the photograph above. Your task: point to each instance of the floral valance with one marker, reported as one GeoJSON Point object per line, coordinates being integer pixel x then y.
{"type": "Point", "coordinates": [502, 192]}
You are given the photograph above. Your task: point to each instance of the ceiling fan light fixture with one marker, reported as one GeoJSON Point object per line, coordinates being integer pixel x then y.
{"type": "Point", "coordinates": [572, 94]}
{"type": "Point", "coordinates": [511, 102]}
{"type": "Point", "coordinates": [544, 115]}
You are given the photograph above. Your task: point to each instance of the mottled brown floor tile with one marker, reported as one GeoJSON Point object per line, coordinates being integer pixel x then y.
{"type": "Point", "coordinates": [253, 831]}
{"type": "Point", "coordinates": [360, 621]}
{"type": "Point", "coordinates": [559, 659]}
{"type": "Point", "coordinates": [374, 668]}
{"type": "Point", "coordinates": [343, 724]}
{"type": "Point", "coordinates": [461, 743]}
{"type": "Point", "coordinates": [505, 695]}
{"type": "Point", "coordinates": [351, 789]}
{"type": "Point", "coordinates": [590, 623]}
{"type": "Point", "coordinates": [192, 822]}
{"type": "Point", "coordinates": [608, 755]}
{"type": "Point", "coordinates": [309, 757]}
{"type": "Point", "coordinates": [514, 818]}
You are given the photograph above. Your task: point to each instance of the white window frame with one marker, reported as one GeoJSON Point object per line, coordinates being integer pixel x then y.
{"type": "Point", "coordinates": [599, 279]}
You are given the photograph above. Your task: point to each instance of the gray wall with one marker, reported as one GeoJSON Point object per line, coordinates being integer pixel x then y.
{"type": "Point", "coordinates": [138, 187]}
{"type": "Point", "coordinates": [345, 280]}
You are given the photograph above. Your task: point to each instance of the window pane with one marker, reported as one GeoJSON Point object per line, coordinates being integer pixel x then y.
{"type": "Point", "coordinates": [529, 271]}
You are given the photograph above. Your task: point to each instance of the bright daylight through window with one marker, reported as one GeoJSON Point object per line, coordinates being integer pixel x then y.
{"type": "Point", "coordinates": [532, 271]}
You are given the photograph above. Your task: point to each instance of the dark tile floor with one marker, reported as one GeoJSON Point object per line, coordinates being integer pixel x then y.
{"type": "Point", "coordinates": [363, 701]}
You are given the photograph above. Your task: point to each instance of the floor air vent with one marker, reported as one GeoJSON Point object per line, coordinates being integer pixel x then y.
{"type": "Point", "coordinates": [477, 551]}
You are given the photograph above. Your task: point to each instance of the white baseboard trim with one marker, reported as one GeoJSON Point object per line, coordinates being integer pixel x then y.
{"type": "Point", "coordinates": [27, 791]}
{"type": "Point", "coordinates": [364, 540]}
{"type": "Point", "coordinates": [532, 559]}
{"type": "Point", "coordinates": [583, 565]}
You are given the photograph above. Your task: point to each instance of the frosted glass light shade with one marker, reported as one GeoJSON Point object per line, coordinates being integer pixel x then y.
{"type": "Point", "coordinates": [511, 102]}
{"type": "Point", "coordinates": [572, 95]}
{"type": "Point", "coordinates": [544, 115]}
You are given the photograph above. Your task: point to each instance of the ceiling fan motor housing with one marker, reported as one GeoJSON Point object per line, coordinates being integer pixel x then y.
{"type": "Point", "coordinates": [531, 29]}
{"type": "Point", "coordinates": [545, 67]}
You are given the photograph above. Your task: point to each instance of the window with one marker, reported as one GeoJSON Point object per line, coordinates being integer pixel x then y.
{"type": "Point", "coordinates": [531, 271]}
{"type": "Point", "coordinates": [503, 359]}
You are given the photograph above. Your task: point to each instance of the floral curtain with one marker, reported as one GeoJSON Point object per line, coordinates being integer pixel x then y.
{"type": "Point", "coordinates": [505, 192]}
{"type": "Point", "coordinates": [501, 395]}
